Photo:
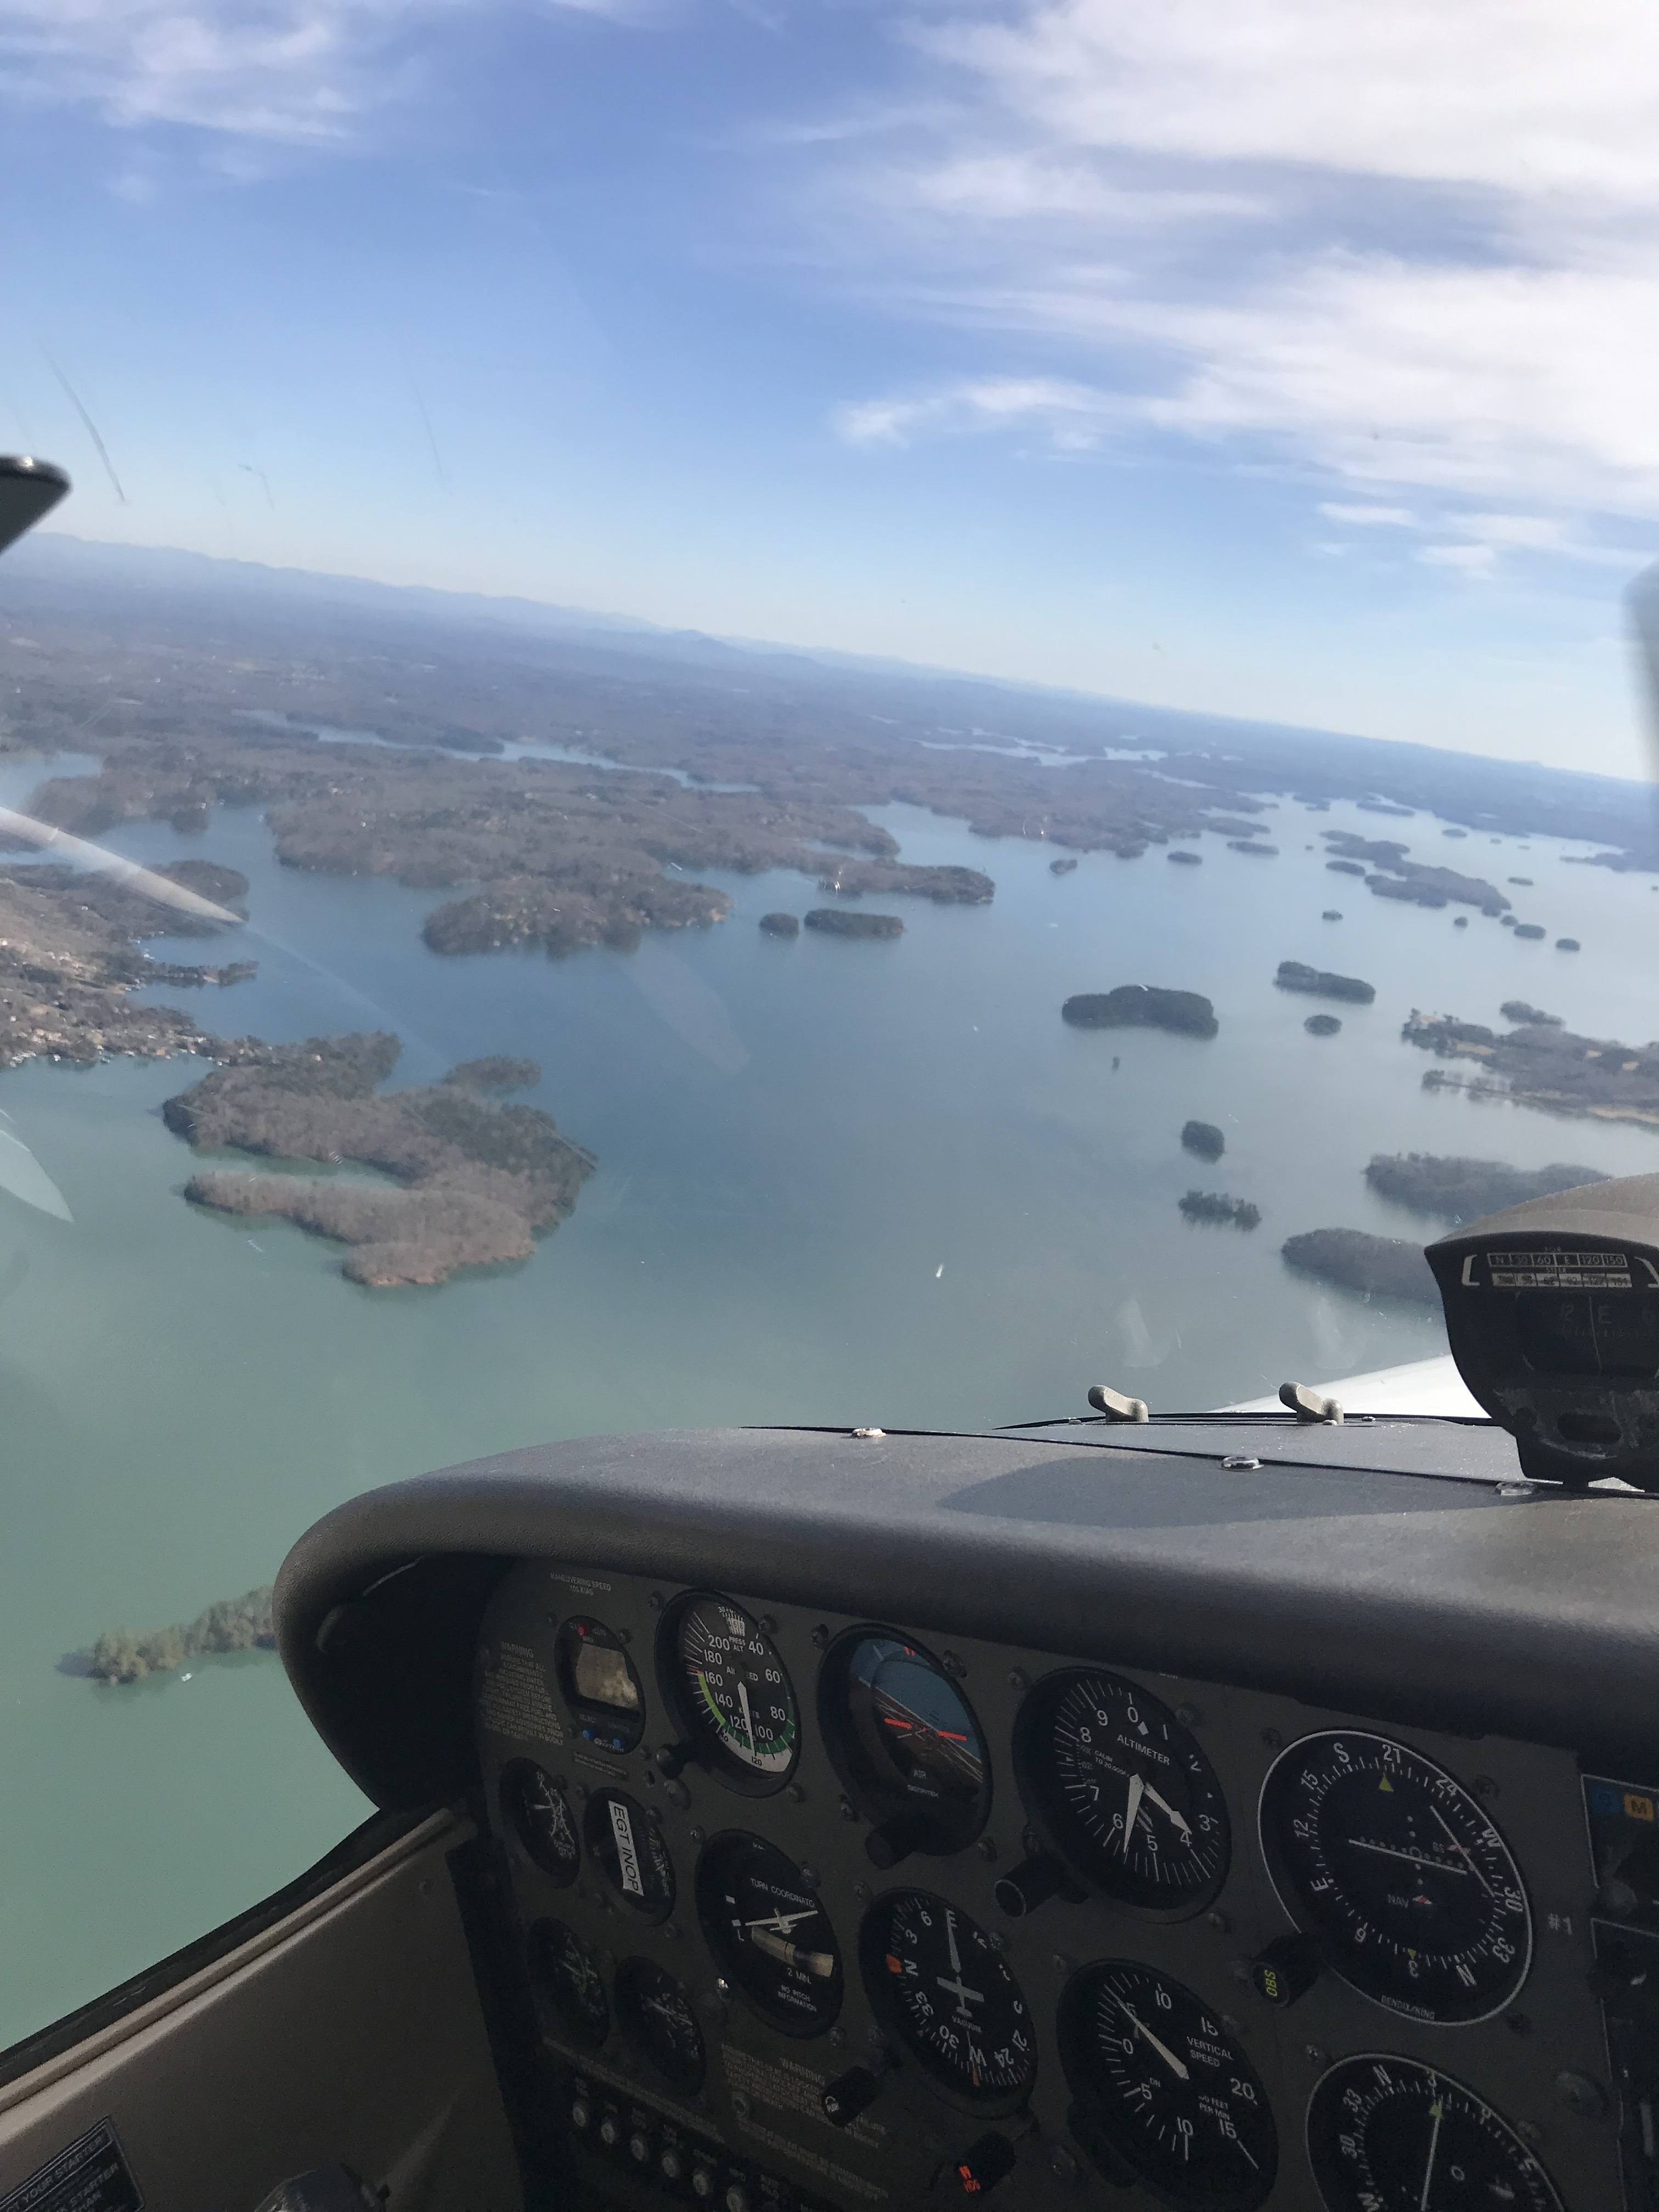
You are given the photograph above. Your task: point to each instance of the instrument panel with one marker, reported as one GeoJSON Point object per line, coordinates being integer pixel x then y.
{"type": "Point", "coordinates": [817, 1911]}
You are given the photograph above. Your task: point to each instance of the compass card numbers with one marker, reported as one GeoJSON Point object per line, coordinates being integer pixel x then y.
{"type": "Point", "coordinates": [935, 1977]}
{"type": "Point", "coordinates": [1390, 2135]}
{"type": "Point", "coordinates": [1411, 1889]}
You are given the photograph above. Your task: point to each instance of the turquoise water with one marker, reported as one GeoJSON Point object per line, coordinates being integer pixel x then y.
{"type": "Point", "coordinates": [873, 1183]}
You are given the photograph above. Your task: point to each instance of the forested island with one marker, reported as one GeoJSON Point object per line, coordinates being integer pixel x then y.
{"type": "Point", "coordinates": [1321, 1024]}
{"type": "Point", "coordinates": [1454, 1189]}
{"type": "Point", "coordinates": [1142, 1006]}
{"type": "Point", "coordinates": [1389, 874]}
{"type": "Point", "coordinates": [1542, 1065]}
{"type": "Point", "coordinates": [1320, 983]}
{"type": "Point", "coordinates": [475, 1182]}
{"type": "Point", "coordinates": [1203, 1140]}
{"type": "Point", "coordinates": [1217, 1209]}
{"type": "Point", "coordinates": [1354, 1260]}
{"type": "Point", "coordinates": [837, 921]}
{"type": "Point", "coordinates": [237, 1624]}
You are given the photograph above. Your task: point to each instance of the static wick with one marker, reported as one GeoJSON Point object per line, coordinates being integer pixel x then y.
{"type": "Point", "coordinates": [1115, 1406]}
{"type": "Point", "coordinates": [1308, 1404]}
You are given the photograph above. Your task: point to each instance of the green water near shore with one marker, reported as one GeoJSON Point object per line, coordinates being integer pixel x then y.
{"type": "Point", "coordinates": [873, 1183]}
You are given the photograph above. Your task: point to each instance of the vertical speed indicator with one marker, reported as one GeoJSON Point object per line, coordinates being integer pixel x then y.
{"type": "Point", "coordinates": [731, 1692]}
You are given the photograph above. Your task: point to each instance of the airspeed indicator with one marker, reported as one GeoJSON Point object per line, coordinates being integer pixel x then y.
{"type": "Point", "coordinates": [731, 1692]}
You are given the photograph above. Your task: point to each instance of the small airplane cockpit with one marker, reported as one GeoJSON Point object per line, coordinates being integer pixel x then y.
{"type": "Point", "coordinates": [1254, 1808]}
{"type": "Point", "coordinates": [828, 1107]}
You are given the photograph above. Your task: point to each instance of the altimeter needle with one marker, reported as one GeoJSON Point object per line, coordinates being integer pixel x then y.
{"type": "Point", "coordinates": [1176, 1820]}
{"type": "Point", "coordinates": [1163, 2048]}
{"type": "Point", "coordinates": [1131, 1810]}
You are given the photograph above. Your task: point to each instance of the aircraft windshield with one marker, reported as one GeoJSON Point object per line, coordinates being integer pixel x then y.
{"type": "Point", "coordinates": [753, 713]}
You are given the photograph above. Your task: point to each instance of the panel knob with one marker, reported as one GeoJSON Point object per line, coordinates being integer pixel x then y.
{"type": "Point", "coordinates": [671, 1759]}
{"type": "Point", "coordinates": [894, 1839]}
{"type": "Point", "coordinates": [702, 2182]}
{"type": "Point", "coordinates": [1287, 1969]}
{"type": "Point", "coordinates": [611, 2130]}
{"type": "Point", "coordinates": [985, 2163]}
{"type": "Point", "coordinates": [848, 2094]}
{"type": "Point", "coordinates": [1030, 1884]}
{"type": "Point", "coordinates": [639, 2147]}
{"type": "Point", "coordinates": [737, 2197]}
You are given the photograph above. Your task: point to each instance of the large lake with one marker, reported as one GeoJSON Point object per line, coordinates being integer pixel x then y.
{"type": "Point", "coordinates": [871, 1183]}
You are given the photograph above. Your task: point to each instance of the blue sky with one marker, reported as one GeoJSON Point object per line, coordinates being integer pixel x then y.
{"type": "Point", "coordinates": [1294, 358]}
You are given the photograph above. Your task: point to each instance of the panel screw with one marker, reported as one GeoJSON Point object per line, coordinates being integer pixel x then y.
{"type": "Point", "coordinates": [836, 2038]}
{"type": "Point", "coordinates": [1231, 2026]}
{"type": "Point", "coordinates": [810, 1877]}
{"type": "Point", "coordinates": [1485, 1786]}
{"type": "Point", "coordinates": [656, 1601]}
{"type": "Point", "coordinates": [849, 1810]}
{"type": "Point", "coordinates": [795, 1794]}
{"type": "Point", "coordinates": [820, 1636]}
{"type": "Point", "coordinates": [1189, 1716]}
{"type": "Point", "coordinates": [1517, 2023]}
{"type": "Point", "coordinates": [1530, 2133]}
{"type": "Point", "coordinates": [581, 1791]}
{"type": "Point", "coordinates": [1581, 2096]}
{"type": "Point", "coordinates": [862, 1892]}
{"type": "Point", "coordinates": [672, 1931]}
{"type": "Point", "coordinates": [768, 1625]}
{"type": "Point", "coordinates": [1061, 1964]}
{"type": "Point", "coordinates": [1271, 1738]}
{"type": "Point", "coordinates": [1220, 1922]}
{"type": "Point", "coordinates": [694, 1835]}
{"type": "Point", "coordinates": [988, 1847]}
{"type": "Point", "coordinates": [675, 1792]}
{"type": "Point", "coordinates": [1313, 2054]}
{"type": "Point", "coordinates": [624, 1635]}
{"type": "Point", "coordinates": [1018, 1678]}
{"type": "Point", "coordinates": [998, 1940]}
{"type": "Point", "coordinates": [722, 1987]}
{"type": "Point", "coordinates": [1061, 2164]}
{"type": "Point", "coordinates": [953, 1667]}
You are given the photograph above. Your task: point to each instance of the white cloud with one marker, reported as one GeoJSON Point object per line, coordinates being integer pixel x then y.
{"type": "Point", "coordinates": [1369, 518]}
{"type": "Point", "coordinates": [1467, 560]}
{"type": "Point", "coordinates": [1526, 97]}
{"type": "Point", "coordinates": [283, 71]}
{"type": "Point", "coordinates": [1070, 416]}
{"type": "Point", "coordinates": [1412, 249]}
